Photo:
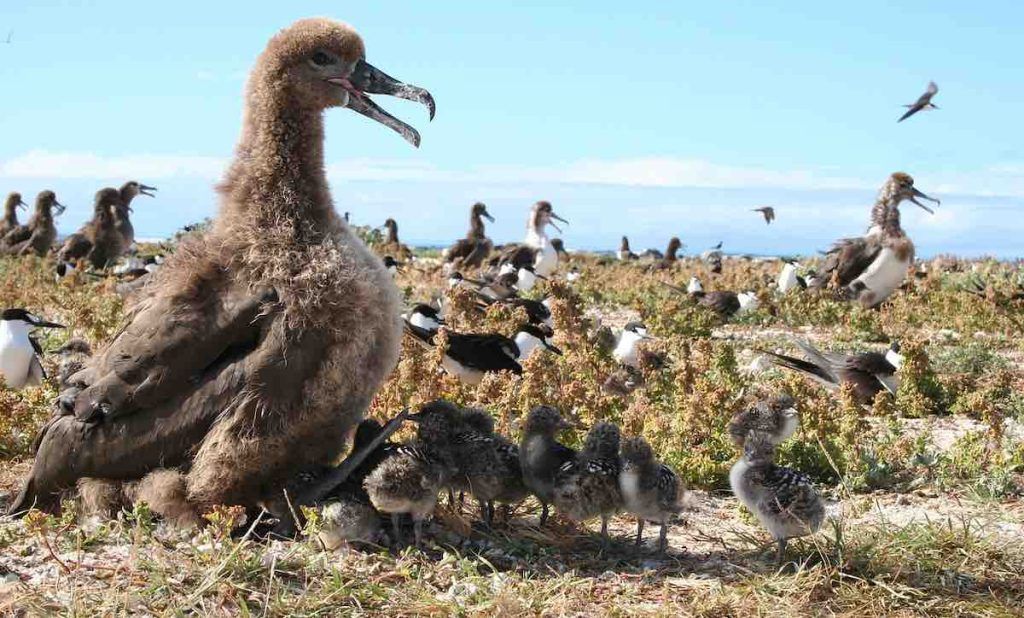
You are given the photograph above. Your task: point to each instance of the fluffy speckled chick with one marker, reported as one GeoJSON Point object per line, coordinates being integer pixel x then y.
{"type": "Point", "coordinates": [783, 500]}
{"type": "Point", "coordinates": [650, 490]}
{"type": "Point", "coordinates": [541, 455]}
{"type": "Point", "coordinates": [776, 418]}
{"type": "Point", "coordinates": [588, 485]}
{"type": "Point", "coordinates": [409, 480]}
{"type": "Point", "coordinates": [487, 464]}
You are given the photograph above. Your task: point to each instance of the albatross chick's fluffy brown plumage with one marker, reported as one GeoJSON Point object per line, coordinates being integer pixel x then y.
{"type": "Point", "coordinates": [259, 345]}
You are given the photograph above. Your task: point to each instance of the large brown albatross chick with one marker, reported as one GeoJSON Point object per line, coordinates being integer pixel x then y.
{"type": "Point", "coordinates": [262, 342]}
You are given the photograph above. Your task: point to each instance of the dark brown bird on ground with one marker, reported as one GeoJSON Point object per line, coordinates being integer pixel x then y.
{"type": "Point", "coordinates": [922, 102]}
{"type": "Point", "coordinates": [471, 251]}
{"type": "Point", "coordinates": [670, 259]}
{"type": "Point", "coordinates": [106, 243]}
{"type": "Point", "coordinates": [79, 246]}
{"type": "Point", "coordinates": [625, 254]}
{"type": "Point", "coordinates": [391, 245]}
{"type": "Point", "coordinates": [10, 220]}
{"type": "Point", "coordinates": [261, 342]}
{"type": "Point", "coordinates": [768, 212]}
{"type": "Point", "coordinates": [36, 236]}
{"type": "Point", "coordinates": [122, 223]}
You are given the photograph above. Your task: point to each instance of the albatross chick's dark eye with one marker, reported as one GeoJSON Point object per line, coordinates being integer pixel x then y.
{"type": "Point", "coordinates": [322, 59]}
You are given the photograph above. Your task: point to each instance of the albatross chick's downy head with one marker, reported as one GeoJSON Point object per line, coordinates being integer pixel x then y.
{"type": "Point", "coordinates": [901, 187]}
{"type": "Point", "coordinates": [320, 63]}
{"type": "Point", "coordinates": [105, 200]}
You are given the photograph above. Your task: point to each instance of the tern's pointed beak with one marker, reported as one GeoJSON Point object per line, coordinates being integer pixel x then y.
{"type": "Point", "coordinates": [366, 79]}
{"type": "Point", "coordinates": [41, 323]}
{"type": "Point", "coordinates": [552, 348]}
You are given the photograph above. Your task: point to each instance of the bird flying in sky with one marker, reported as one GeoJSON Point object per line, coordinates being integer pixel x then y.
{"type": "Point", "coordinates": [923, 102]}
{"type": "Point", "coordinates": [768, 212]}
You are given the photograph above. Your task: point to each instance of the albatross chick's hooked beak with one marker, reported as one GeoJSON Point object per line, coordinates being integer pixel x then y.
{"type": "Point", "coordinates": [60, 211]}
{"type": "Point", "coordinates": [552, 217]}
{"type": "Point", "coordinates": [22, 205]}
{"type": "Point", "coordinates": [366, 79]}
{"type": "Point", "coordinates": [915, 193]}
{"type": "Point", "coordinates": [487, 215]}
{"type": "Point", "coordinates": [147, 190]}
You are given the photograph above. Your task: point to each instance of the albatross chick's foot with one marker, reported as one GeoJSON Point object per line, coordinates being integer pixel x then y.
{"type": "Point", "coordinates": [165, 493]}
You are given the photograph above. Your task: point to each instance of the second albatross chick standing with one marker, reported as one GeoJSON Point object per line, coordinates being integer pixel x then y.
{"type": "Point", "coordinates": [261, 342]}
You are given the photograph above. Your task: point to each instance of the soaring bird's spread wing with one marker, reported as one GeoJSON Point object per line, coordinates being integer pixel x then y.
{"type": "Point", "coordinates": [848, 259]}
{"type": "Point", "coordinates": [922, 102]}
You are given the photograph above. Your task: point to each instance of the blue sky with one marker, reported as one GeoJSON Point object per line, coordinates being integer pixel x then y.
{"type": "Point", "coordinates": [673, 118]}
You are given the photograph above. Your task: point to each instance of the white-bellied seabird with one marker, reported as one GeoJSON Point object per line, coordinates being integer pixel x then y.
{"type": "Point", "coordinates": [868, 372]}
{"type": "Point", "coordinates": [469, 356]}
{"type": "Point", "coordinates": [627, 347]}
{"type": "Point", "coordinates": [426, 317]}
{"type": "Point", "coordinates": [789, 279]}
{"type": "Point", "coordinates": [923, 102]}
{"type": "Point", "coordinates": [532, 337]}
{"type": "Point", "coordinates": [20, 354]}
{"type": "Point", "coordinates": [536, 249]}
{"type": "Point", "coordinates": [392, 266]}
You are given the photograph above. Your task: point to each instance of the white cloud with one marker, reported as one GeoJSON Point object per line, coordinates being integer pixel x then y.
{"type": "Point", "coordinates": [46, 164]}
{"type": "Point", "coordinates": [995, 180]}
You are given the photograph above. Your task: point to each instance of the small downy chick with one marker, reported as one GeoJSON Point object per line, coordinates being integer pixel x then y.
{"type": "Point", "coordinates": [348, 520]}
{"type": "Point", "coordinates": [776, 418]}
{"type": "Point", "coordinates": [650, 490]}
{"type": "Point", "coordinates": [487, 464]}
{"type": "Point", "coordinates": [541, 455]}
{"type": "Point", "coordinates": [71, 359]}
{"type": "Point", "coordinates": [588, 485]}
{"type": "Point", "coordinates": [783, 500]}
{"type": "Point", "coordinates": [409, 480]}
{"type": "Point", "coordinates": [346, 513]}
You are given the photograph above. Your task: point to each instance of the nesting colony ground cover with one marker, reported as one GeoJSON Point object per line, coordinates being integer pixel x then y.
{"type": "Point", "coordinates": [925, 513]}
